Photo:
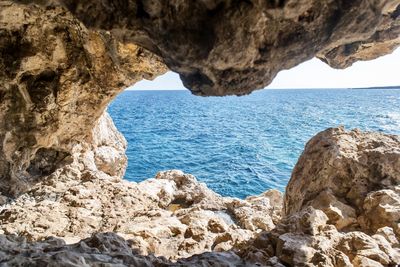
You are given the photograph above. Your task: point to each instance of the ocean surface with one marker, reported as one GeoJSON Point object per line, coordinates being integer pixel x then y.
{"type": "Point", "coordinates": [240, 146]}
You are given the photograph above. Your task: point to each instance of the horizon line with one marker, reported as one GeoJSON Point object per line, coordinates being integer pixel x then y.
{"type": "Point", "coordinates": [297, 88]}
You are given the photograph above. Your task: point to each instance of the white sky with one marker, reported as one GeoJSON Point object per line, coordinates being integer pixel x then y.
{"type": "Point", "coordinates": [384, 71]}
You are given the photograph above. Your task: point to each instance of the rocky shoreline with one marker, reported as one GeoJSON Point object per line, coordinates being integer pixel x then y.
{"type": "Point", "coordinates": [63, 201]}
{"type": "Point", "coordinates": [341, 208]}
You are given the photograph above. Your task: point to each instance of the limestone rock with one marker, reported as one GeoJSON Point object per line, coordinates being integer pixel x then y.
{"type": "Point", "coordinates": [173, 220]}
{"type": "Point", "coordinates": [339, 214]}
{"type": "Point", "coordinates": [56, 79]}
{"type": "Point", "coordinates": [62, 159]}
{"type": "Point", "coordinates": [385, 40]}
{"type": "Point", "coordinates": [57, 76]}
{"type": "Point", "coordinates": [350, 168]}
{"type": "Point", "coordinates": [172, 215]}
{"type": "Point", "coordinates": [381, 208]}
{"type": "Point", "coordinates": [357, 244]}
{"type": "Point", "coordinates": [341, 204]}
{"type": "Point", "coordinates": [195, 37]}
{"type": "Point", "coordinates": [251, 212]}
{"type": "Point", "coordinates": [389, 235]}
{"type": "Point", "coordinates": [106, 249]}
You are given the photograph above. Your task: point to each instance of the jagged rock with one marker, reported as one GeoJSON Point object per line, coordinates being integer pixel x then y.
{"type": "Point", "coordinates": [56, 82]}
{"type": "Point", "coordinates": [339, 214]}
{"type": "Point", "coordinates": [384, 41]}
{"type": "Point", "coordinates": [341, 204]}
{"type": "Point", "coordinates": [352, 177]}
{"type": "Point", "coordinates": [56, 79]}
{"type": "Point", "coordinates": [172, 215]}
{"type": "Point", "coordinates": [348, 172]}
{"type": "Point", "coordinates": [195, 37]}
{"type": "Point", "coordinates": [389, 235]}
{"type": "Point", "coordinates": [107, 249]}
{"type": "Point", "coordinates": [381, 208]}
{"type": "Point", "coordinates": [62, 159]}
{"type": "Point", "coordinates": [176, 217]}
{"type": "Point", "coordinates": [357, 244]}
{"type": "Point", "coordinates": [251, 212]}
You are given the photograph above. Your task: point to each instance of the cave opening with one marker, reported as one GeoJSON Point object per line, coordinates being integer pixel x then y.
{"type": "Point", "coordinates": [241, 146]}
{"type": "Point", "coordinates": [61, 63]}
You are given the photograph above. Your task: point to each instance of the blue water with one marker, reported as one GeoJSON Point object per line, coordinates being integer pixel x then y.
{"type": "Point", "coordinates": [240, 146]}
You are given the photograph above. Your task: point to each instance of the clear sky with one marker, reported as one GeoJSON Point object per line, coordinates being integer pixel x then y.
{"type": "Point", "coordinates": [383, 71]}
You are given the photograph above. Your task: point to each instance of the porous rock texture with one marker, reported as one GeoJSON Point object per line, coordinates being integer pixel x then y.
{"type": "Point", "coordinates": [173, 220]}
{"type": "Point", "coordinates": [340, 179]}
{"type": "Point", "coordinates": [62, 160]}
{"type": "Point", "coordinates": [63, 61]}
{"type": "Point", "coordinates": [342, 203]}
{"type": "Point", "coordinates": [222, 47]}
{"type": "Point", "coordinates": [56, 79]}
{"type": "Point", "coordinates": [171, 215]}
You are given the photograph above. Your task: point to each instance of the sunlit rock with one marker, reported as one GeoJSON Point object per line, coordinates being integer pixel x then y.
{"type": "Point", "coordinates": [56, 79]}
{"type": "Point", "coordinates": [62, 159]}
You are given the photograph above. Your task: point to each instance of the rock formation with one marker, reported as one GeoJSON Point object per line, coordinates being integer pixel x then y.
{"type": "Point", "coordinates": [340, 179]}
{"type": "Point", "coordinates": [341, 208]}
{"type": "Point", "coordinates": [342, 203]}
{"type": "Point", "coordinates": [63, 61]}
{"type": "Point", "coordinates": [62, 159]}
{"type": "Point", "coordinates": [171, 215]}
{"type": "Point", "coordinates": [56, 79]}
{"type": "Point", "coordinates": [222, 47]}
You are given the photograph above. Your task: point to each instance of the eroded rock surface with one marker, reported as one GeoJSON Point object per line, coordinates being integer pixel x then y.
{"type": "Point", "coordinates": [222, 47]}
{"type": "Point", "coordinates": [62, 159]}
{"type": "Point", "coordinates": [342, 202]}
{"type": "Point", "coordinates": [354, 179]}
{"type": "Point", "coordinates": [173, 220]}
{"type": "Point", "coordinates": [57, 76]}
{"type": "Point", "coordinates": [56, 79]}
{"type": "Point", "coordinates": [106, 249]}
{"type": "Point", "coordinates": [172, 215]}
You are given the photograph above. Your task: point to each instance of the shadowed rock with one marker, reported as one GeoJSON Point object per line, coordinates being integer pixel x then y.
{"type": "Point", "coordinates": [63, 61]}
{"type": "Point", "coordinates": [62, 159]}
{"type": "Point", "coordinates": [223, 47]}
{"type": "Point", "coordinates": [56, 80]}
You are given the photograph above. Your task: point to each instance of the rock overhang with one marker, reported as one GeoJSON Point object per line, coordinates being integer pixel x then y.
{"type": "Point", "coordinates": [222, 47]}
{"type": "Point", "coordinates": [92, 51]}
{"type": "Point", "coordinates": [63, 61]}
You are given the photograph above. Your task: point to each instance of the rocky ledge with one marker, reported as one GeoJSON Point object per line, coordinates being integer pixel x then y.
{"type": "Point", "coordinates": [341, 208]}
{"type": "Point", "coordinates": [62, 159]}
{"type": "Point", "coordinates": [171, 215]}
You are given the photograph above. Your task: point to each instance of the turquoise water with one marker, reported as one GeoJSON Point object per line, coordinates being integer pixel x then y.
{"type": "Point", "coordinates": [240, 146]}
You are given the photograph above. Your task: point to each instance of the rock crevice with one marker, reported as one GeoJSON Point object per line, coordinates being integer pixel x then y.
{"type": "Point", "coordinates": [173, 220]}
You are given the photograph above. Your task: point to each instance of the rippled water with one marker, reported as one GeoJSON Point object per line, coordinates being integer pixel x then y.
{"type": "Point", "coordinates": [240, 146]}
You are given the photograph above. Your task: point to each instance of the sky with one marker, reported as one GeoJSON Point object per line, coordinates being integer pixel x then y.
{"type": "Point", "coordinates": [383, 71]}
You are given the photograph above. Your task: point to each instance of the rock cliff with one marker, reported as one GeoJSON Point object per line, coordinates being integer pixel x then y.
{"type": "Point", "coordinates": [62, 160]}
{"type": "Point", "coordinates": [56, 79]}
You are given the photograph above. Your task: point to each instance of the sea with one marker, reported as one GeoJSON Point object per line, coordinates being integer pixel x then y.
{"type": "Point", "coordinates": [241, 146]}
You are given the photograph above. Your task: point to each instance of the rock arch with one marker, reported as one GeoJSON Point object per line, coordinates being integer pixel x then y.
{"type": "Point", "coordinates": [63, 61]}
